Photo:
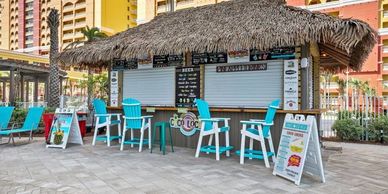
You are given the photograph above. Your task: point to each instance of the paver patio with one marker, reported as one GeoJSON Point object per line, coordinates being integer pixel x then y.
{"type": "Point", "coordinates": [31, 168]}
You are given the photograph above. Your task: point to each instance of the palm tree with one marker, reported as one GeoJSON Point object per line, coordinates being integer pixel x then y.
{"type": "Point", "coordinates": [341, 86]}
{"type": "Point", "coordinates": [91, 34]}
{"type": "Point", "coordinates": [53, 23]}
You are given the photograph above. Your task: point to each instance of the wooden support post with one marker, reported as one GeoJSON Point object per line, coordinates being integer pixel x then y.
{"type": "Point", "coordinates": [36, 90]}
{"type": "Point", "coordinates": [4, 89]}
{"type": "Point", "coordinates": [27, 91]}
{"type": "Point", "coordinates": [21, 93]}
{"type": "Point", "coordinates": [12, 86]}
{"type": "Point", "coordinates": [46, 91]}
{"type": "Point", "coordinates": [305, 82]}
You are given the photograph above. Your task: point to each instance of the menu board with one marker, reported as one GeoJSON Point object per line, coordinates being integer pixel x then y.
{"type": "Point", "coordinates": [160, 61]}
{"type": "Point", "coordinates": [209, 58]}
{"type": "Point", "coordinates": [299, 149]}
{"type": "Point", "coordinates": [175, 60]}
{"type": "Point", "coordinates": [187, 86]}
{"type": "Point", "coordinates": [122, 64]}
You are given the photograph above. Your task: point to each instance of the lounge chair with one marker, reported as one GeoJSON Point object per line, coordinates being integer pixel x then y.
{"type": "Point", "coordinates": [6, 113]}
{"type": "Point", "coordinates": [30, 124]}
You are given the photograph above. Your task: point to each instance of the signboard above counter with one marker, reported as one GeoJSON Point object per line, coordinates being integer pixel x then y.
{"type": "Point", "coordinates": [209, 58]}
{"type": "Point", "coordinates": [273, 54]}
{"type": "Point", "coordinates": [157, 61]}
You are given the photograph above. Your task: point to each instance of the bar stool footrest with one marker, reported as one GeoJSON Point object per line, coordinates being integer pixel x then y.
{"type": "Point", "coordinates": [257, 154]}
{"type": "Point", "coordinates": [104, 138]}
{"type": "Point", "coordinates": [212, 149]}
{"type": "Point", "coordinates": [136, 141]}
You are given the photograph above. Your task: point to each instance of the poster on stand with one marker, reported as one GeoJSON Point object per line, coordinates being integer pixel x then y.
{"type": "Point", "coordinates": [290, 91]}
{"type": "Point", "coordinates": [64, 129]}
{"type": "Point", "coordinates": [299, 150]}
{"type": "Point", "coordinates": [114, 88]}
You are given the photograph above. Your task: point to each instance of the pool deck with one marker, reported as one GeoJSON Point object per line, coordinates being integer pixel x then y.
{"type": "Point", "coordinates": [31, 168]}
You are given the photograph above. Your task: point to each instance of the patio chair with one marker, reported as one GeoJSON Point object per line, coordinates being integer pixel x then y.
{"type": "Point", "coordinates": [210, 126]}
{"type": "Point", "coordinates": [6, 113]}
{"type": "Point", "coordinates": [133, 120]}
{"type": "Point", "coordinates": [30, 124]}
{"type": "Point", "coordinates": [104, 119]}
{"type": "Point", "coordinates": [259, 130]}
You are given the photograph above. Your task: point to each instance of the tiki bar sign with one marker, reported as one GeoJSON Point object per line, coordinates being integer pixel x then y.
{"type": "Point", "coordinates": [237, 68]}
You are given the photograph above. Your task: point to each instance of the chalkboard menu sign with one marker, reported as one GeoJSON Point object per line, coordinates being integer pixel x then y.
{"type": "Point", "coordinates": [209, 58]}
{"type": "Point", "coordinates": [122, 64]}
{"type": "Point", "coordinates": [276, 53]}
{"type": "Point", "coordinates": [187, 86]}
{"type": "Point", "coordinates": [175, 60]}
{"type": "Point", "coordinates": [160, 61]}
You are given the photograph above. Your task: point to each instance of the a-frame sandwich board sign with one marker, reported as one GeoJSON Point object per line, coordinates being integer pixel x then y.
{"type": "Point", "coordinates": [299, 150]}
{"type": "Point", "coordinates": [65, 120]}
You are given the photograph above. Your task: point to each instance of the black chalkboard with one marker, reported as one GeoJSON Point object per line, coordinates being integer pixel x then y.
{"type": "Point", "coordinates": [175, 60]}
{"type": "Point", "coordinates": [122, 64]}
{"type": "Point", "coordinates": [187, 86]}
{"type": "Point", "coordinates": [209, 58]}
{"type": "Point", "coordinates": [160, 61]}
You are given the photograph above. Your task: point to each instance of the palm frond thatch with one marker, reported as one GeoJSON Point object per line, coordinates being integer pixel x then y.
{"type": "Point", "coordinates": [231, 25]}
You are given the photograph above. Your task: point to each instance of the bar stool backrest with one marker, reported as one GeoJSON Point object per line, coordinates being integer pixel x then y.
{"type": "Point", "coordinates": [100, 108]}
{"type": "Point", "coordinates": [270, 116]}
{"type": "Point", "coordinates": [132, 109]}
{"type": "Point", "coordinates": [204, 112]}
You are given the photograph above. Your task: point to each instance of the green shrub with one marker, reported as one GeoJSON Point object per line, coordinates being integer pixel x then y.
{"type": "Point", "coordinates": [348, 129]}
{"type": "Point", "coordinates": [49, 110]}
{"type": "Point", "coordinates": [376, 126]}
{"type": "Point", "coordinates": [19, 115]}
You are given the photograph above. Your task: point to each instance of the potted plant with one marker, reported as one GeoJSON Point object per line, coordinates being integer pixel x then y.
{"type": "Point", "coordinates": [48, 117]}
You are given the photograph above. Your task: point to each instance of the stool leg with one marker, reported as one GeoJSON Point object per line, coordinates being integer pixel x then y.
{"type": "Point", "coordinates": [153, 137]}
{"type": "Point", "coordinates": [160, 138]}
{"type": "Point", "coordinates": [171, 144]}
{"type": "Point", "coordinates": [163, 140]}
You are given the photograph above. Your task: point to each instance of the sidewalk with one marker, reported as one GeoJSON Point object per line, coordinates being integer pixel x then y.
{"type": "Point", "coordinates": [32, 168]}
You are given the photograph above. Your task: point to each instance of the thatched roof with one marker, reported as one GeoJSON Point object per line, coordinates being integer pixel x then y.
{"type": "Point", "coordinates": [231, 25]}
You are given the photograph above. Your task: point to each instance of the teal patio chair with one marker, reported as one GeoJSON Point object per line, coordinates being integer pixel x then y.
{"type": "Point", "coordinates": [104, 119]}
{"type": "Point", "coordinates": [210, 126]}
{"type": "Point", "coordinates": [30, 124]}
{"type": "Point", "coordinates": [6, 113]}
{"type": "Point", "coordinates": [259, 130]}
{"type": "Point", "coordinates": [133, 120]}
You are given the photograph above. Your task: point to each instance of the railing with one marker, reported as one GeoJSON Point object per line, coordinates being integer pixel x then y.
{"type": "Point", "coordinates": [79, 103]}
{"type": "Point", "coordinates": [385, 84]}
{"type": "Point", "coordinates": [66, 17]}
{"type": "Point", "coordinates": [26, 105]}
{"type": "Point", "coordinates": [360, 108]}
{"type": "Point", "coordinates": [4, 103]}
{"type": "Point", "coordinates": [80, 5]}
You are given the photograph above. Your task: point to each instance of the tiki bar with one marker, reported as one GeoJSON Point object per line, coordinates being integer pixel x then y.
{"type": "Point", "coordinates": [218, 65]}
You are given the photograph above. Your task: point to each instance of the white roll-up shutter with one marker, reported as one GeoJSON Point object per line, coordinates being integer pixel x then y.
{"type": "Point", "coordinates": [150, 86]}
{"type": "Point", "coordinates": [246, 88]}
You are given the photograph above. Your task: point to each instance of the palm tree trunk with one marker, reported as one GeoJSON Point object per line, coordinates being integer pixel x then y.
{"type": "Point", "coordinates": [53, 23]}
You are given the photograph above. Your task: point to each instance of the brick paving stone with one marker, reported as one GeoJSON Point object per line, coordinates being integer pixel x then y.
{"type": "Point", "coordinates": [31, 168]}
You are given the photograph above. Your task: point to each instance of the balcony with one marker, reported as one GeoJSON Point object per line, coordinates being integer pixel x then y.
{"type": "Point", "coordinates": [68, 17]}
{"type": "Point", "coordinates": [78, 35]}
{"type": "Point", "coordinates": [80, 5]}
{"type": "Point", "coordinates": [385, 14]}
{"type": "Point", "coordinates": [385, 49]}
{"type": "Point", "coordinates": [80, 24]}
{"type": "Point", "coordinates": [67, 8]}
{"type": "Point", "coordinates": [385, 84]}
{"type": "Point", "coordinates": [68, 36]}
{"type": "Point", "coordinates": [68, 26]}
{"type": "Point", "coordinates": [162, 9]}
{"type": "Point", "coordinates": [80, 15]}
{"type": "Point", "coordinates": [385, 66]}
{"type": "Point", "coordinates": [330, 86]}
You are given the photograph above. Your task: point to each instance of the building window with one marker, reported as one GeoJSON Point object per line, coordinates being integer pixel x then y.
{"type": "Point", "coordinates": [29, 45]}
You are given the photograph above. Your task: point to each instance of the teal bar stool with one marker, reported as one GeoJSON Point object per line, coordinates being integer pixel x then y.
{"type": "Point", "coordinates": [162, 131]}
